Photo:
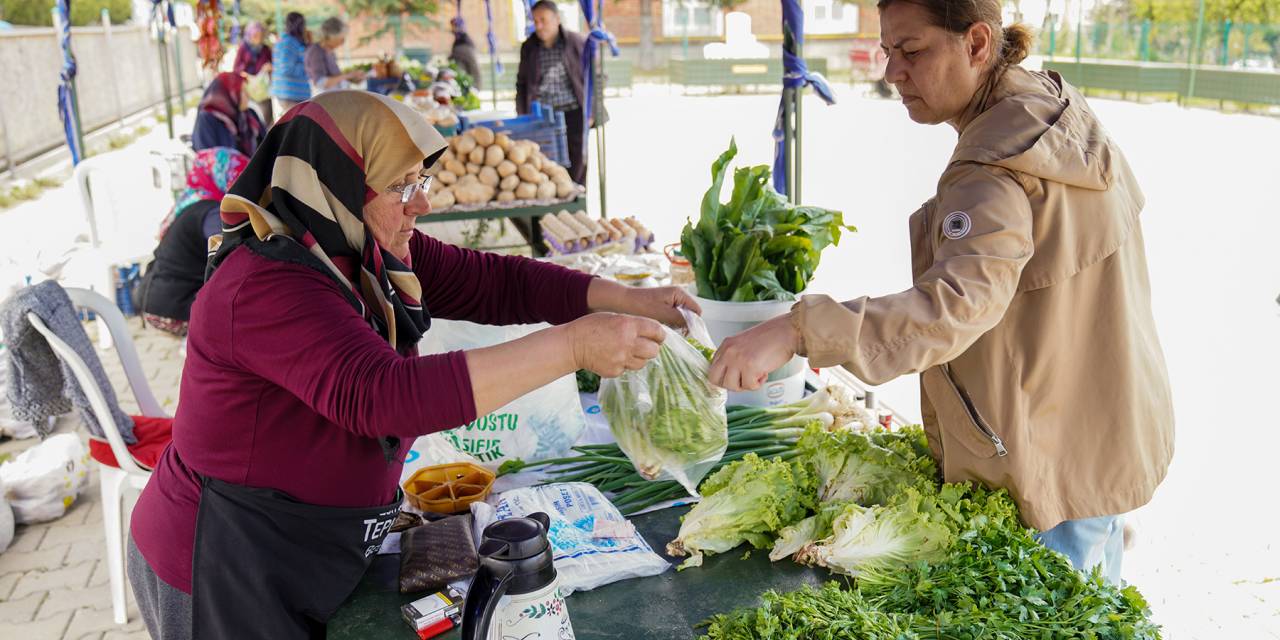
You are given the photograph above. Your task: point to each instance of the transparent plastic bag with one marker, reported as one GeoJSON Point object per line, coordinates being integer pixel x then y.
{"type": "Point", "coordinates": [667, 418]}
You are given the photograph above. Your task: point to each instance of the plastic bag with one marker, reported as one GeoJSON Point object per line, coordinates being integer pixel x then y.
{"type": "Point", "coordinates": [592, 543]}
{"type": "Point", "coordinates": [541, 424]}
{"type": "Point", "coordinates": [431, 450]}
{"type": "Point", "coordinates": [45, 480]}
{"type": "Point", "coordinates": [667, 417]}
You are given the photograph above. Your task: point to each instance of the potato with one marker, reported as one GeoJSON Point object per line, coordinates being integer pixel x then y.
{"type": "Point", "coordinates": [442, 200]}
{"type": "Point", "coordinates": [468, 180]}
{"type": "Point", "coordinates": [536, 160]}
{"type": "Point", "coordinates": [509, 183]}
{"type": "Point", "coordinates": [564, 188]}
{"type": "Point", "coordinates": [476, 156]}
{"type": "Point", "coordinates": [473, 168]}
{"type": "Point", "coordinates": [507, 168]}
{"type": "Point", "coordinates": [494, 156]}
{"type": "Point", "coordinates": [435, 188]}
{"type": "Point", "coordinates": [464, 144]}
{"type": "Point", "coordinates": [556, 171]}
{"type": "Point", "coordinates": [446, 156]}
{"type": "Point", "coordinates": [527, 191]}
{"type": "Point", "coordinates": [547, 190]}
{"type": "Point", "coordinates": [489, 176]}
{"type": "Point", "coordinates": [446, 177]}
{"type": "Point", "coordinates": [529, 173]}
{"type": "Point", "coordinates": [455, 167]}
{"type": "Point", "coordinates": [519, 153]}
{"type": "Point", "coordinates": [483, 135]}
{"type": "Point", "coordinates": [506, 196]}
{"type": "Point", "coordinates": [469, 194]}
{"type": "Point", "coordinates": [486, 192]}
{"type": "Point", "coordinates": [503, 141]}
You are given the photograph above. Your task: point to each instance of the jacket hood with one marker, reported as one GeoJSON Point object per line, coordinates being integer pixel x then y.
{"type": "Point", "coordinates": [1034, 123]}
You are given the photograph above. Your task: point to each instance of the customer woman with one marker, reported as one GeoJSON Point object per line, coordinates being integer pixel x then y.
{"type": "Point", "coordinates": [176, 272]}
{"type": "Point", "coordinates": [1030, 316]}
{"type": "Point", "coordinates": [322, 64]}
{"type": "Point", "coordinates": [302, 390]}
{"type": "Point", "coordinates": [289, 84]}
{"type": "Point", "coordinates": [224, 118]}
{"type": "Point", "coordinates": [254, 59]}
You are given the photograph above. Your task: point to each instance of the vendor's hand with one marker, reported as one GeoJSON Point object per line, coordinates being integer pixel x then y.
{"type": "Point", "coordinates": [743, 362]}
{"type": "Point", "coordinates": [660, 303]}
{"type": "Point", "coordinates": [608, 343]}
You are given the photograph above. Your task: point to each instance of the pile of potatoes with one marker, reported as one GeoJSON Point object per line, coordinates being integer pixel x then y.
{"type": "Point", "coordinates": [481, 166]}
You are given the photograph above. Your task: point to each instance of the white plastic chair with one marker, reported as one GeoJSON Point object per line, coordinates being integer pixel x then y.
{"type": "Point", "coordinates": [124, 195]}
{"type": "Point", "coordinates": [128, 476]}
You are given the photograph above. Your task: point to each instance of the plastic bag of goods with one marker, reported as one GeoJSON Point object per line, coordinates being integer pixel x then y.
{"type": "Point", "coordinates": [667, 417]}
{"type": "Point", "coordinates": [541, 424]}
{"type": "Point", "coordinates": [592, 544]}
{"type": "Point", "coordinates": [45, 480]}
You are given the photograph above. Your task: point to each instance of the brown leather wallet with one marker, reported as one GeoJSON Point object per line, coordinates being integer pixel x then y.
{"type": "Point", "coordinates": [437, 553]}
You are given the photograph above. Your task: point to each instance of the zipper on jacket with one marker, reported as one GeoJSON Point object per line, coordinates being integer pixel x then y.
{"type": "Point", "coordinates": [973, 415]}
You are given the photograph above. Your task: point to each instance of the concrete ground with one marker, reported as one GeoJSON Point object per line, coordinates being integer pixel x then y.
{"type": "Point", "coordinates": [1206, 557]}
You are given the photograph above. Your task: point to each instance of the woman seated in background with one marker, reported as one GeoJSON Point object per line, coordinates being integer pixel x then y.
{"type": "Point", "coordinates": [303, 389]}
{"type": "Point", "coordinates": [176, 272]}
{"type": "Point", "coordinates": [254, 59]}
{"type": "Point", "coordinates": [224, 118]}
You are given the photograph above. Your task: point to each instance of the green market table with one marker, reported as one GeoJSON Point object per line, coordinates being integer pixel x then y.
{"type": "Point", "coordinates": [664, 607]}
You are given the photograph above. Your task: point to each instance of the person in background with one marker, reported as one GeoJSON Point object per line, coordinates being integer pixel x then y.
{"type": "Point", "coordinates": [254, 58]}
{"type": "Point", "coordinates": [224, 118]}
{"type": "Point", "coordinates": [289, 84]}
{"type": "Point", "coordinates": [463, 51]}
{"type": "Point", "coordinates": [176, 272]}
{"type": "Point", "coordinates": [551, 73]}
{"type": "Point", "coordinates": [1030, 319]}
{"type": "Point", "coordinates": [322, 64]}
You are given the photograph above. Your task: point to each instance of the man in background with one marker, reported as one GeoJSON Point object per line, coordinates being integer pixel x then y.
{"type": "Point", "coordinates": [551, 73]}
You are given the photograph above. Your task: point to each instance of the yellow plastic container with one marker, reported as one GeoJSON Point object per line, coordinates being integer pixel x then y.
{"type": "Point", "coordinates": [448, 488]}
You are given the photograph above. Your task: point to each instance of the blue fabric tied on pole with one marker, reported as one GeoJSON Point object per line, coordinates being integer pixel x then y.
{"type": "Point", "coordinates": [594, 15]}
{"type": "Point", "coordinates": [528, 18]}
{"type": "Point", "coordinates": [493, 40]}
{"type": "Point", "coordinates": [66, 107]}
{"type": "Point", "coordinates": [795, 75]}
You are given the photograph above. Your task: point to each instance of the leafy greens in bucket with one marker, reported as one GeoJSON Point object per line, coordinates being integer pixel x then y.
{"type": "Point", "coordinates": [758, 246]}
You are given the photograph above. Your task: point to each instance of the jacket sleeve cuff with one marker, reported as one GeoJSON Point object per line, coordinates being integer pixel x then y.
{"type": "Point", "coordinates": [827, 330]}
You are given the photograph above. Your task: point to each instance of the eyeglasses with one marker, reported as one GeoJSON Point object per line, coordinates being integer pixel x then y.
{"type": "Point", "coordinates": [408, 191]}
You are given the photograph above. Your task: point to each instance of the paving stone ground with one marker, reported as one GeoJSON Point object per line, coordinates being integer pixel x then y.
{"type": "Point", "coordinates": [53, 580]}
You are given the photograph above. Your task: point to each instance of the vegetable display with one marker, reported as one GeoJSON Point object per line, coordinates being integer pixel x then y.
{"type": "Point", "coordinates": [667, 417]}
{"type": "Point", "coordinates": [757, 246]}
{"type": "Point", "coordinates": [927, 560]}
{"type": "Point", "coordinates": [766, 432]}
{"type": "Point", "coordinates": [480, 167]}
{"type": "Point", "coordinates": [995, 580]}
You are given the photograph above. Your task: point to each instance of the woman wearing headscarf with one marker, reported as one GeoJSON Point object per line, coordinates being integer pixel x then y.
{"type": "Point", "coordinates": [289, 84]}
{"type": "Point", "coordinates": [463, 51]}
{"type": "Point", "coordinates": [224, 118]}
{"type": "Point", "coordinates": [302, 390]}
{"type": "Point", "coordinates": [253, 59]}
{"type": "Point", "coordinates": [176, 271]}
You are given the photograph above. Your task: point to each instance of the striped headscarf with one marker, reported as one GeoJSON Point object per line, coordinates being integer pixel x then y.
{"type": "Point", "coordinates": [302, 197]}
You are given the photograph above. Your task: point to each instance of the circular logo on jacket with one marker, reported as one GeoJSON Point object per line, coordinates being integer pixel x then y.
{"type": "Point", "coordinates": [956, 225]}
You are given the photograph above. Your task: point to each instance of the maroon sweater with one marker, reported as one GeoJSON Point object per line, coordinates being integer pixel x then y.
{"type": "Point", "coordinates": [287, 387]}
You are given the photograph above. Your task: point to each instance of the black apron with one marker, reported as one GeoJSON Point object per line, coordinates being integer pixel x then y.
{"type": "Point", "coordinates": [268, 566]}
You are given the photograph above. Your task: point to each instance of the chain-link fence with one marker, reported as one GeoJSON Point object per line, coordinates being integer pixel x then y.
{"type": "Point", "coordinates": [1238, 46]}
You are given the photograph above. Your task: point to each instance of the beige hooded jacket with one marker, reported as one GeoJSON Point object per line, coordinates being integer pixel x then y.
{"type": "Point", "coordinates": [1030, 316]}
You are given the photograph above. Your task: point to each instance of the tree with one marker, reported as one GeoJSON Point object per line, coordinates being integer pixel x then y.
{"type": "Point", "coordinates": [646, 34]}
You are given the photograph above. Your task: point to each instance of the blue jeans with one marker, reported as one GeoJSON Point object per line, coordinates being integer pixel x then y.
{"type": "Point", "coordinates": [1090, 542]}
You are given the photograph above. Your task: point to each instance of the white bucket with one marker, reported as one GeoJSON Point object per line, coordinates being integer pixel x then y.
{"type": "Point", "coordinates": [725, 319]}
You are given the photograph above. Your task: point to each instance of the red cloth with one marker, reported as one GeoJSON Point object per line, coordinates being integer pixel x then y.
{"type": "Point", "coordinates": [249, 62]}
{"type": "Point", "coordinates": [287, 387]}
{"type": "Point", "coordinates": [154, 434]}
